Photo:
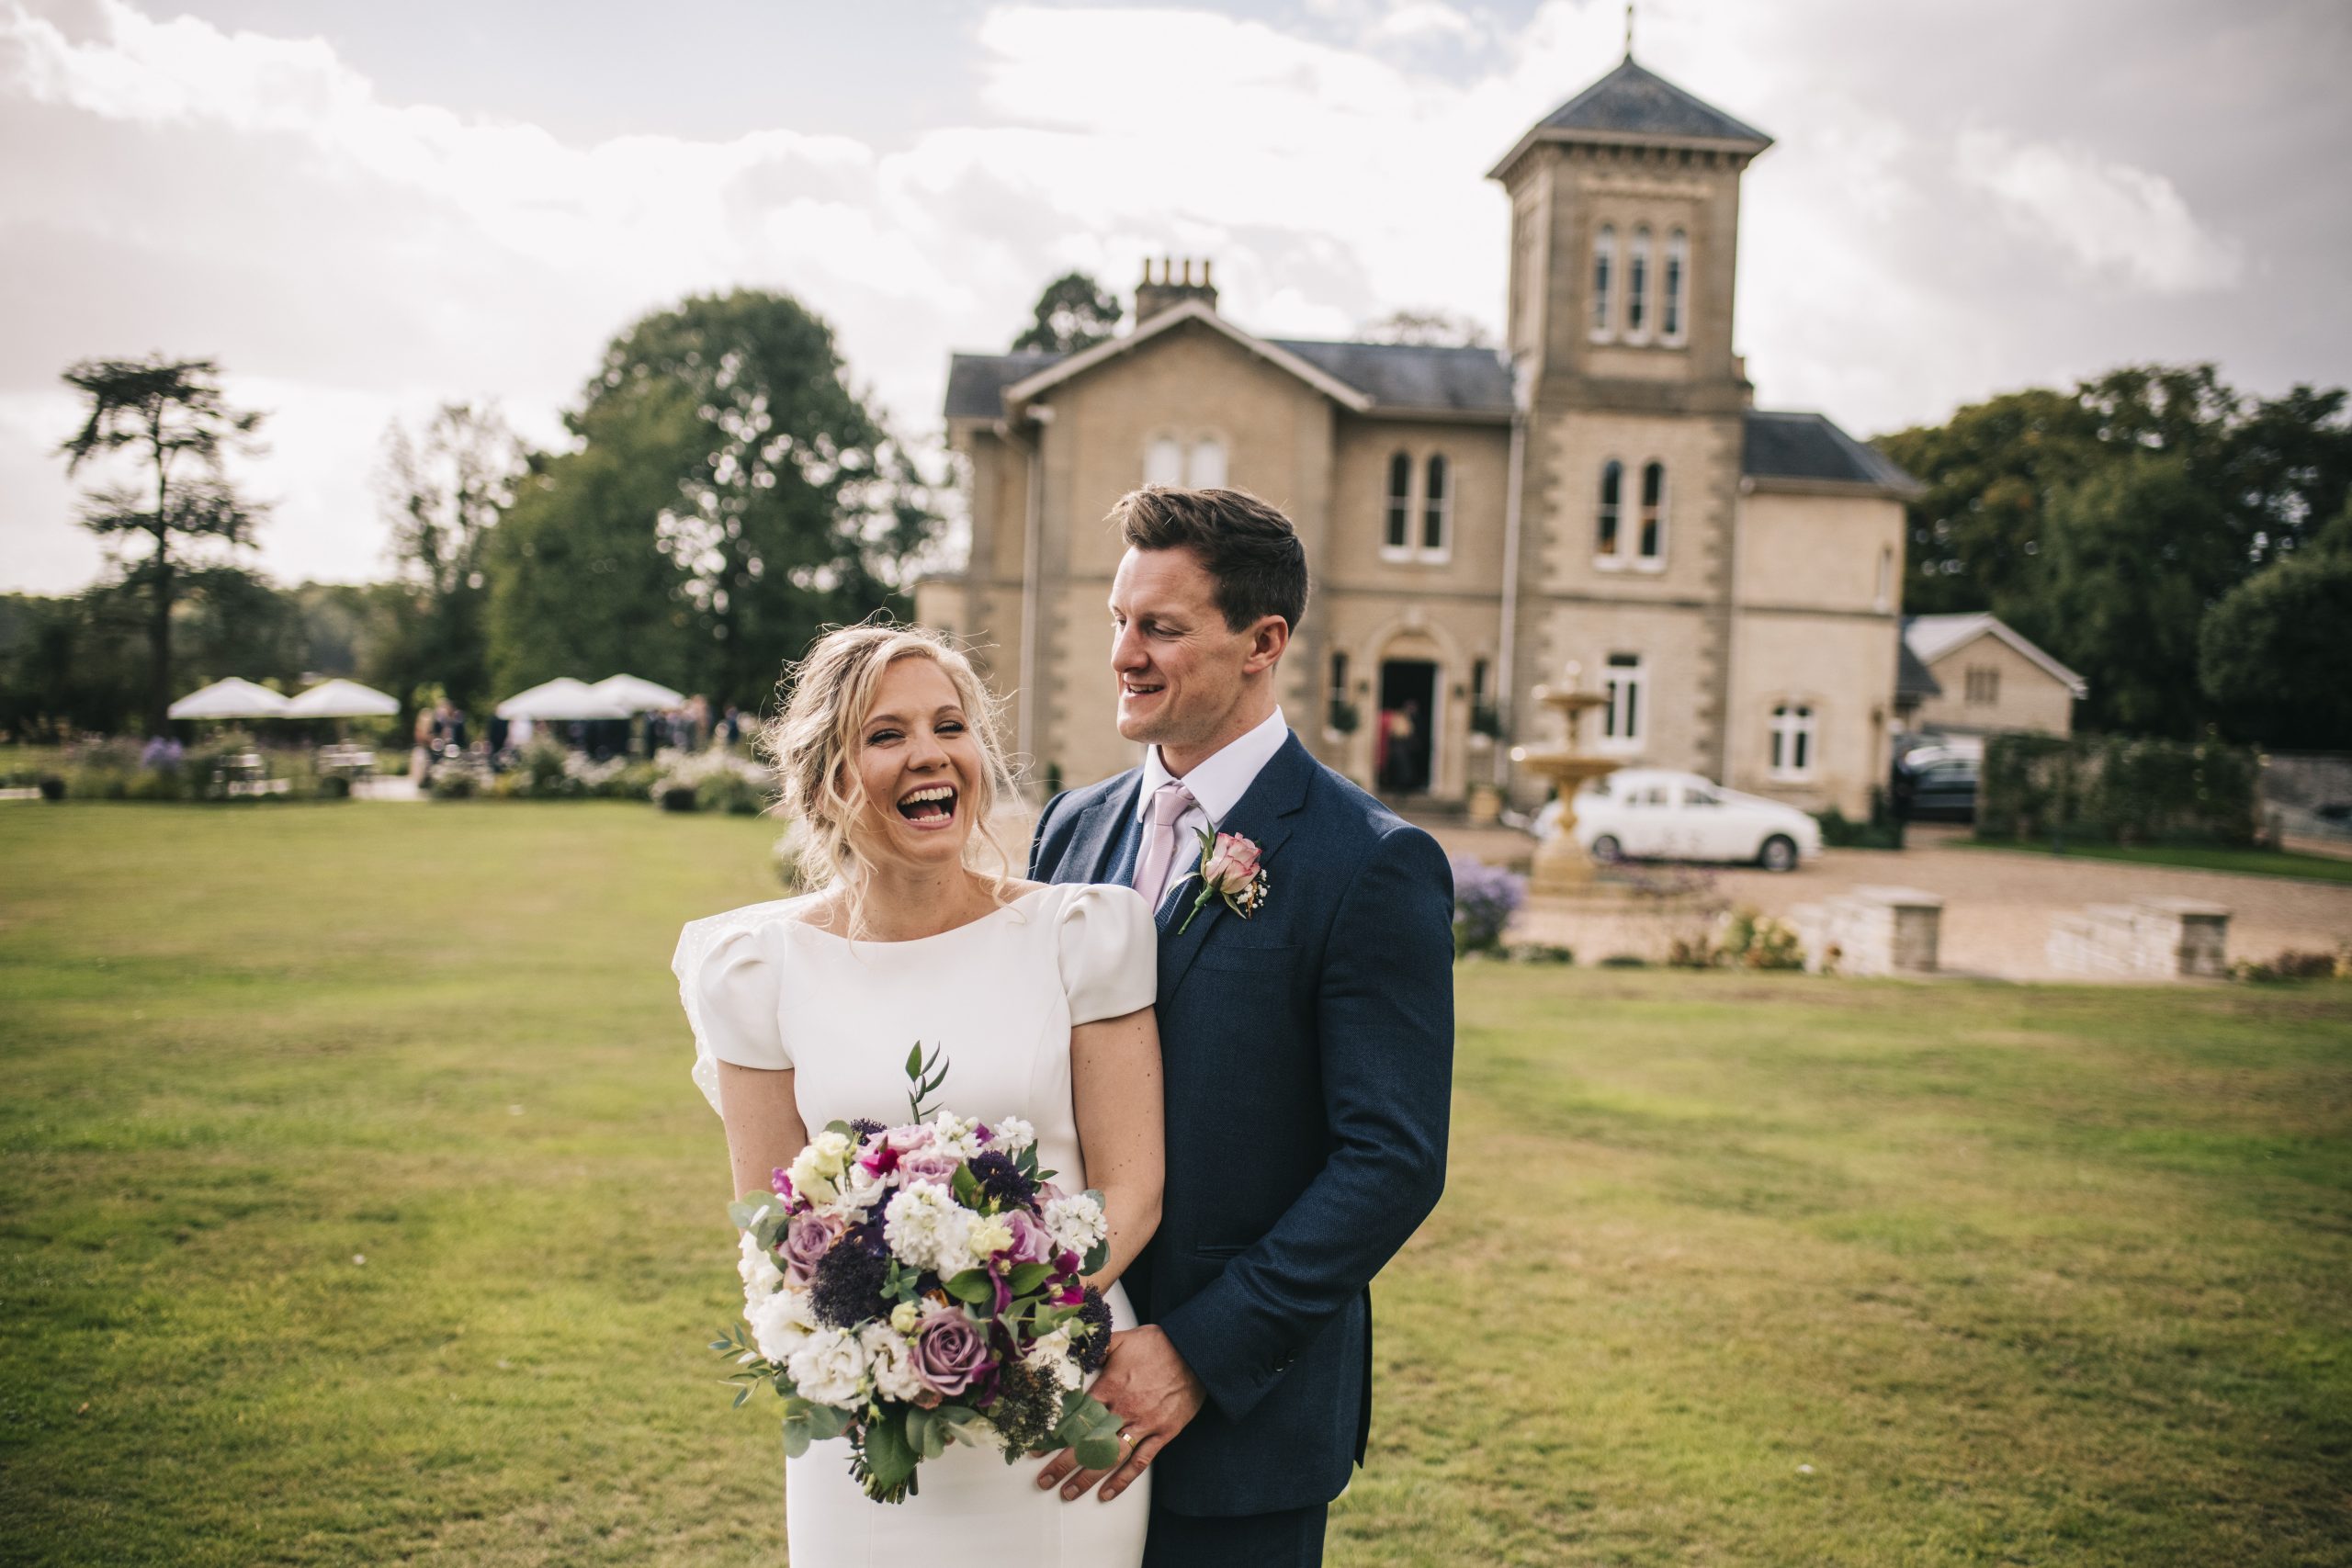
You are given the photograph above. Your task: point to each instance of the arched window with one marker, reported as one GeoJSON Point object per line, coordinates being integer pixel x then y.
{"type": "Point", "coordinates": [1205, 470]}
{"type": "Point", "coordinates": [1670, 321]}
{"type": "Point", "coordinates": [1399, 536]}
{"type": "Point", "coordinates": [1437, 510]}
{"type": "Point", "coordinates": [1612, 486]}
{"type": "Point", "coordinates": [1651, 546]}
{"type": "Point", "coordinates": [1163, 462]}
{"type": "Point", "coordinates": [1793, 741]}
{"type": "Point", "coordinates": [1638, 287]}
{"type": "Point", "coordinates": [1604, 275]}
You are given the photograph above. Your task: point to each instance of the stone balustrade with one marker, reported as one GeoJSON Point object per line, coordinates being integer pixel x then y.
{"type": "Point", "coordinates": [2154, 937]}
{"type": "Point", "coordinates": [1871, 931]}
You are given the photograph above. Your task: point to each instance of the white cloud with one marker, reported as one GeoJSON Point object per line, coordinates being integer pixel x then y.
{"type": "Point", "coordinates": [2114, 220]}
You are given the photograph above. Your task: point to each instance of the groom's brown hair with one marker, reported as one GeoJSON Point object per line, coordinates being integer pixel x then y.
{"type": "Point", "coordinates": [1248, 546]}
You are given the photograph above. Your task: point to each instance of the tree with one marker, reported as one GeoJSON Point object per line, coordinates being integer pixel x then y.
{"type": "Point", "coordinates": [729, 497]}
{"type": "Point", "coordinates": [1428, 328]}
{"type": "Point", "coordinates": [172, 414]}
{"type": "Point", "coordinates": [1074, 312]}
{"type": "Point", "coordinates": [444, 491]}
{"type": "Point", "coordinates": [2272, 655]}
{"type": "Point", "coordinates": [2138, 551]}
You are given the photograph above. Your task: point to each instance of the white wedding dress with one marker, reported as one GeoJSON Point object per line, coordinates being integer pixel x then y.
{"type": "Point", "coordinates": [997, 999]}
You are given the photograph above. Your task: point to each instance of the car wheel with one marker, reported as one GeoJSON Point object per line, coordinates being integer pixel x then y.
{"type": "Point", "coordinates": [1607, 850]}
{"type": "Point", "coordinates": [1779, 853]}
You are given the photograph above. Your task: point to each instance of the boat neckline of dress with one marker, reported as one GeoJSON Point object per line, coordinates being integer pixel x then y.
{"type": "Point", "coordinates": [1007, 905]}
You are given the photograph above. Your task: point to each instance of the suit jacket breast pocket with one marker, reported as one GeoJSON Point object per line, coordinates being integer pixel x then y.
{"type": "Point", "coordinates": [1244, 959]}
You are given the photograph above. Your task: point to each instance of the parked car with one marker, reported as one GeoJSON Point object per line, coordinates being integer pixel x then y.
{"type": "Point", "coordinates": [1939, 781]}
{"type": "Point", "coordinates": [1652, 814]}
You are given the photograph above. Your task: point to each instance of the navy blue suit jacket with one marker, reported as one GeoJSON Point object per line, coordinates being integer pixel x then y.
{"type": "Point", "coordinates": [1308, 1057]}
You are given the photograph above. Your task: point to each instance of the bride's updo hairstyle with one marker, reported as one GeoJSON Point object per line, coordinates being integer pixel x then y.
{"type": "Point", "coordinates": [826, 698]}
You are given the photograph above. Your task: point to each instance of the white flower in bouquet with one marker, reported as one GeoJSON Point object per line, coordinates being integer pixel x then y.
{"type": "Point", "coordinates": [757, 1267]}
{"type": "Point", "coordinates": [818, 1168]}
{"type": "Point", "coordinates": [780, 1322]}
{"type": "Point", "coordinates": [858, 1190]}
{"type": "Point", "coordinates": [1051, 1355]}
{"type": "Point", "coordinates": [1013, 1136]}
{"type": "Point", "coordinates": [990, 1236]}
{"type": "Point", "coordinates": [1075, 1224]}
{"type": "Point", "coordinates": [891, 1361]}
{"type": "Point", "coordinates": [828, 1367]}
{"type": "Point", "coordinates": [950, 1134]}
{"type": "Point", "coordinates": [926, 1227]}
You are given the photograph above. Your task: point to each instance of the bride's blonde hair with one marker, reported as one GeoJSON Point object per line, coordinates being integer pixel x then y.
{"type": "Point", "coordinates": [813, 742]}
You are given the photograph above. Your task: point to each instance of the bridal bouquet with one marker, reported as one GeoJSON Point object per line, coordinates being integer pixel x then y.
{"type": "Point", "coordinates": [909, 1287]}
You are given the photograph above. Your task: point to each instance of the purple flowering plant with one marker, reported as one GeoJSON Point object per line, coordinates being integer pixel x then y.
{"type": "Point", "coordinates": [909, 1287]}
{"type": "Point", "coordinates": [1484, 898]}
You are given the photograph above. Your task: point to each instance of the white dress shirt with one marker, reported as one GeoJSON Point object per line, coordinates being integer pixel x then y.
{"type": "Point", "coordinates": [1218, 785]}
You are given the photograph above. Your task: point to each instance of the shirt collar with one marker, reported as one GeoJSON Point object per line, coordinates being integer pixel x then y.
{"type": "Point", "coordinates": [1218, 783]}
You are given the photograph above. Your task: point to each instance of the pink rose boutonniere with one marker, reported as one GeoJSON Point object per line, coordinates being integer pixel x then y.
{"type": "Point", "coordinates": [1229, 871]}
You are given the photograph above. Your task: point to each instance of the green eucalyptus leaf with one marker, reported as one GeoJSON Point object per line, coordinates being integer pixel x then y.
{"type": "Point", "coordinates": [972, 1285]}
{"type": "Point", "coordinates": [889, 1457]}
{"type": "Point", "coordinates": [741, 1395]}
{"type": "Point", "coordinates": [1098, 1453]}
{"type": "Point", "coordinates": [796, 1438]}
{"type": "Point", "coordinates": [1027, 1277]}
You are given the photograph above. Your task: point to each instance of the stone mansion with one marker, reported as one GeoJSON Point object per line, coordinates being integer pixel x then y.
{"type": "Point", "coordinates": [1600, 502]}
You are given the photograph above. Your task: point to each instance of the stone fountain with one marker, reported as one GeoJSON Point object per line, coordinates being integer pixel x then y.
{"type": "Point", "coordinates": [1562, 869]}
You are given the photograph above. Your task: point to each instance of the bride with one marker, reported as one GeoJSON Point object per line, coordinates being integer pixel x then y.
{"type": "Point", "coordinates": [1037, 997]}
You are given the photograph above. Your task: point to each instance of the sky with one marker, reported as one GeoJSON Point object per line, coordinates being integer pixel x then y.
{"type": "Point", "coordinates": [364, 210]}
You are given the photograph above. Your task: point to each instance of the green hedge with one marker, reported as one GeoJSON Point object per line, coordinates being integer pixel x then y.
{"type": "Point", "coordinates": [2117, 790]}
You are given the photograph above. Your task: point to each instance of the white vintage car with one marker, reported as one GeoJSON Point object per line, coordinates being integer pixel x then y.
{"type": "Point", "coordinates": [1651, 814]}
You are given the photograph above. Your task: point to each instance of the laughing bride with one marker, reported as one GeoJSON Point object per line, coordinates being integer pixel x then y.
{"type": "Point", "coordinates": [1038, 998]}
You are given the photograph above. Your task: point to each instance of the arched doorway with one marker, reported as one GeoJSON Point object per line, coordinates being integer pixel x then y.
{"type": "Point", "coordinates": [1405, 738]}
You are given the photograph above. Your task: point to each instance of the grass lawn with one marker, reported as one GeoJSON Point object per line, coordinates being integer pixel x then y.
{"type": "Point", "coordinates": [1731, 1270]}
{"type": "Point", "coordinates": [2194, 857]}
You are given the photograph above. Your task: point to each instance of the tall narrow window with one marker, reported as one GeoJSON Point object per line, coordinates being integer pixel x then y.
{"type": "Point", "coordinates": [1399, 536]}
{"type": "Point", "coordinates": [1336, 699]}
{"type": "Point", "coordinates": [1207, 468]}
{"type": "Point", "coordinates": [1884, 598]}
{"type": "Point", "coordinates": [1163, 462]}
{"type": "Point", "coordinates": [1604, 276]}
{"type": "Point", "coordinates": [1437, 509]}
{"type": "Point", "coordinates": [1652, 544]}
{"type": "Point", "coordinates": [1625, 684]}
{"type": "Point", "coordinates": [1793, 741]}
{"type": "Point", "coordinates": [1670, 323]}
{"type": "Point", "coordinates": [1638, 287]}
{"type": "Point", "coordinates": [1604, 532]}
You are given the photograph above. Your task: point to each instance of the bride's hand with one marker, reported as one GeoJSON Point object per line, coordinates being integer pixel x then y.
{"type": "Point", "coordinates": [1146, 1384]}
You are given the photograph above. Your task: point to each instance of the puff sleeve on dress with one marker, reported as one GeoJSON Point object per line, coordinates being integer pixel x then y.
{"type": "Point", "coordinates": [729, 983]}
{"type": "Point", "coordinates": [1110, 953]}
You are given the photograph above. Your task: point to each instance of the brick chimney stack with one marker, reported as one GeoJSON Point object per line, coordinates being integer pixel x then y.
{"type": "Point", "coordinates": [1174, 285]}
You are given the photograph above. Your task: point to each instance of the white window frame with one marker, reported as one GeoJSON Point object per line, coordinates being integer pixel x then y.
{"type": "Point", "coordinates": [1654, 560]}
{"type": "Point", "coordinates": [1393, 502]}
{"type": "Point", "coordinates": [1639, 316]}
{"type": "Point", "coordinates": [1603, 280]}
{"type": "Point", "coordinates": [1609, 560]}
{"type": "Point", "coordinates": [1197, 472]}
{"type": "Point", "coordinates": [1795, 733]}
{"type": "Point", "coordinates": [1674, 304]}
{"type": "Point", "coordinates": [1437, 502]}
{"type": "Point", "coordinates": [1628, 687]}
{"type": "Point", "coordinates": [1884, 597]}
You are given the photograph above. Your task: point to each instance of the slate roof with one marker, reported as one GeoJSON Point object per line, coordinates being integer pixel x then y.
{"type": "Point", "coordinates": [975, 382]}
{"type": "Point", "coordinates": [1912, 678]}
{"type": "Point", "coordinates": [1634, 102]}
{"type": "Point", "coordinates": [1808, 446]}
{"type": "Point", "coordinates": [1406, 375]}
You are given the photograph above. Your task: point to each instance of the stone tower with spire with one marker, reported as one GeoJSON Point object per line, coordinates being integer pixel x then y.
{"type": "Point", "coordinates": [1623, 262]}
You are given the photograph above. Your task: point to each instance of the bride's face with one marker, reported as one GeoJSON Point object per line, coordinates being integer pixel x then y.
{"type": "Point", "coordinates": [920, 765]}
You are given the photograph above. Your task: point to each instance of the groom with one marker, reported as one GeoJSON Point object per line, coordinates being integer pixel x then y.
{"type": "Point", "coordinates": [1307, 1049]}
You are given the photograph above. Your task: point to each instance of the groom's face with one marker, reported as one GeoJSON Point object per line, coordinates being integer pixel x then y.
{"type": "Point", "coordinates": [1180, 669]}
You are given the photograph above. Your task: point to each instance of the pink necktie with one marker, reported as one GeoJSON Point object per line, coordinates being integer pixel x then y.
{"type": "Point", "coordinates": [1169, 802]}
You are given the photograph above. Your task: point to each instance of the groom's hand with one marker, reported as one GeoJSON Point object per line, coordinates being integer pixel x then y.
{"type": "Point", "coordinates": [1146, 1384]}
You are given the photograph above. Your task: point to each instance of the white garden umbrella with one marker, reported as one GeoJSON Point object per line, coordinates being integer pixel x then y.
{"type": "Point", "coordinates": [638, 694]}
{"type": "Point", "coordinates": [559, 699]}
{"type": "Point", "coordinates": [342, 699]}
{"type": "Point", "coordinates": [231, 698]}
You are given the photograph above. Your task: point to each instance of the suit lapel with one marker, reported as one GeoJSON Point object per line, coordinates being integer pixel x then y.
{"type": "Point", "coordinates": [1263, 816]}
{"type": "Point", "coordinates": [1094, 847]}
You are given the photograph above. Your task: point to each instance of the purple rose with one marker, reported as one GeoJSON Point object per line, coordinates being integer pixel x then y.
{"type": "Point", "coordinates": [928, 1164]}
{"type": "Point", "coordinates": [1032, 1243]}
{"type": "Point", "coordinates": [950, 1350]}
{"type": "Point", "coordinates": [807, 1241]}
